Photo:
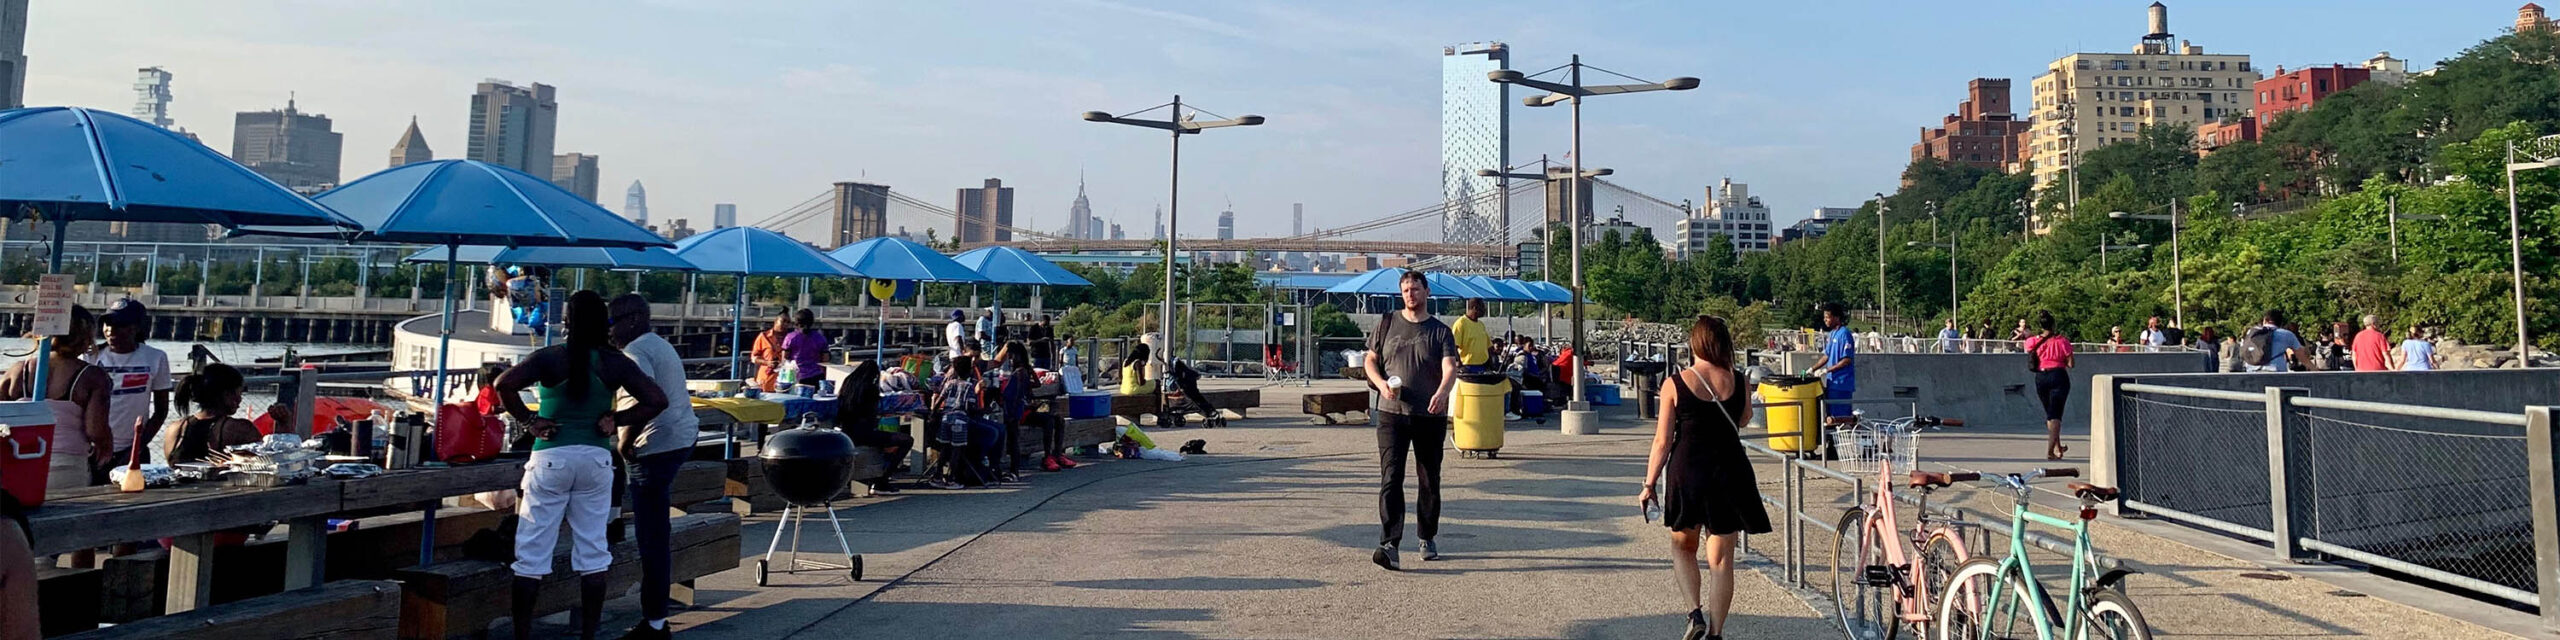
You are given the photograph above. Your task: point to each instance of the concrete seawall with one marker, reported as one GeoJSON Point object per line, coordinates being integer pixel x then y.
{"type": "Point", "coordinates": [1992, 388]}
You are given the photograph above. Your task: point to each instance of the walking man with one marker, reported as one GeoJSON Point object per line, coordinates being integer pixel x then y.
{"type": "Point", "coordinates": [655, 451]}
{"type": "Point", "coordinates": [1413, 363]}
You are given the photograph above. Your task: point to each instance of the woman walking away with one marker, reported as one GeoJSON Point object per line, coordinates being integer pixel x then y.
{"type": "Point", "coordinates": [2050, 352]}
{"type": "Point", "coordinates": [1710, 491]}
{"type": "Point", "coordinates": [768, 354]}
{"type": "Point", "coordinates": [76, 392]}
{"type": "Point", "coordinates": [858, 415]}
{"type": "Point", "coordinates": [570, 476]}
{"type": "Point", "coordinates": [215, 393]}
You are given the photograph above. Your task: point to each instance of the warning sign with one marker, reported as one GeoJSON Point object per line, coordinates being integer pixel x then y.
{"type": "Point", "coordinates": [53, 304]}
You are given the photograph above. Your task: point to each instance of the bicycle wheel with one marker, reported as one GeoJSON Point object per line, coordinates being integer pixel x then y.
{"type": "Point", "coordinates": [2112, 617]}
{"type": "Point", "coordinates": [2010, 617]}
{"type": "Point", "coordinates": [1866, 610]}
{"type": "Point", "coordinates": [1939, 561]}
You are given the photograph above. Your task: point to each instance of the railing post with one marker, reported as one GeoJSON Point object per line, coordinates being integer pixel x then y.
{"type": "Point", "coordinates": [2289, 502]}
{"type": "Point", "coordinates": [2539, 465]}
{"type": "Point", "coordinates": [1795, 526]}
{"type": "Point", "coordinates": [2104, 459]}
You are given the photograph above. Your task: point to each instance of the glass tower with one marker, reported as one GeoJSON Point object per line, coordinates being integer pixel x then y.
{"type": "Point", "coordinates": [1475, 134]}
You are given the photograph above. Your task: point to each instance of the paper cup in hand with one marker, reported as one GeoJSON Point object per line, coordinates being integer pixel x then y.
{"type": "Point", "coordinates": [1395, 382]}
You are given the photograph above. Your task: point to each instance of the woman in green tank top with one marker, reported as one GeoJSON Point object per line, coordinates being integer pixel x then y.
{"type": "Point", "coordinates": [569, 478]}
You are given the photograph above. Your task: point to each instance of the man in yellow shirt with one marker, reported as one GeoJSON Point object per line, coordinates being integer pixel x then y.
{"type": "Point", "coordinates": [1475, 345]}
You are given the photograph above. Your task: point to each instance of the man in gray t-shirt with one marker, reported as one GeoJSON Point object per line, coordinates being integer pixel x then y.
{"type": "Point", "coordinates": [1412, 363]}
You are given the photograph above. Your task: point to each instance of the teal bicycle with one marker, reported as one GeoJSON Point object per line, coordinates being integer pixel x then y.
{"type": "Point", "coordinates": [2014, 604]}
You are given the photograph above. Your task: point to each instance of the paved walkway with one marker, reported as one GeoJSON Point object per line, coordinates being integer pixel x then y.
{"type": "Point", "coordinates": [1267, 537]}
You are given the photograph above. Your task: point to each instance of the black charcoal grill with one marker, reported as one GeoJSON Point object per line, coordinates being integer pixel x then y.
{"type": "Point", "coordinates": [808, 466]}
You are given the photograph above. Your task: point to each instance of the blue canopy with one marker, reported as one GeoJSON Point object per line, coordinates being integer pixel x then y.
{"type": "Point", "coordinates": [751, 251]}
{"type": "Point", "coordinates": [887, 258]}
{"type": "Point", "coordinates": [1007, 265]}
{"type": "Point", "coordinates": [1502, 291]}
{"type": "Point", "coordinates": [648, 259]}
{"type": "Point", "coordinates": [1549, 292]}
{"type": "Point", "coordinates": [466, 202]}
{"type": "Point", "coordinates": [79, 164]}
{"type": "Point", "coordinates": [1386, 282]}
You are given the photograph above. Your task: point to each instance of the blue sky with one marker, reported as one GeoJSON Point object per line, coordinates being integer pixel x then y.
{"type": "Point", "coordinates": [765, 103]}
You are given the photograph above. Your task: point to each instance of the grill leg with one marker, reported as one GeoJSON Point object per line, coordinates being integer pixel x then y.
{"type": "Point", "coordinates": [799, 517]}
{"type": "Point", "coordinates": [849, 555]}
{"type": "Point", "coordinates": [778, 526]}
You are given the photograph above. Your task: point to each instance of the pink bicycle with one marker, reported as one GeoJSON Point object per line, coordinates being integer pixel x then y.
{"type": "Point", "coordinates": [1872, 559]}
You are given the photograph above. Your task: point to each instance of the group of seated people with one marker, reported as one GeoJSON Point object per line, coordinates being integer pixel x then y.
{"type": "Point", "coordinates": [975, 407]}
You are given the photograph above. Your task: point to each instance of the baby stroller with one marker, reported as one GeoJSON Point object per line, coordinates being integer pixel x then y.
{"type": "Point", "coordinates": [1185, 398]}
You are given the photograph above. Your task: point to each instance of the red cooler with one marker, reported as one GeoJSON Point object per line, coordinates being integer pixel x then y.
{"type": "Point", "coordinates": [26, 464]}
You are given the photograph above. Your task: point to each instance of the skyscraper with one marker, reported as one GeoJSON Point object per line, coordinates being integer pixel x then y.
{"type": "Point", "coordinates": [1159, 222]}
{"type": "Point", "coordinates": [635, 204]}
{"type": "Point", "coordinates": [724, 215]}
{"type": "Point", "coordinates": [1227, 223]}
{"type": "Point", "coordinates": [1297, 218]}
{"type": "Point", "coordinates": [151, 96]}
{"type": "Point", "coordinates": [293, 148]}
{"type": "Point", "coordinates": [577, 173]}
{"type": "Point", "coordinates": [13, 54]}
{"type": "Point", "coordinates": [986, 213]}
{"type": "Point", "coordinates": [1475, 134]}
{"type": "Point", "coordinates": [862, 212]}
{"type": "Point", "coordinates": [1093, 228]}
{"type": "Point", "coordinates": [1116, 234]}
{"type": "Point", "coordinates": [1080, 214]}
{"type": "Point", "coordinates": [412, 147]}
{"type": "Point", "coordinates": [511, 126]}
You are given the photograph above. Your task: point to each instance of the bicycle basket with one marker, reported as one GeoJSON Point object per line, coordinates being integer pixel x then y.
{"type": "Point", "coordinates": [1869, 444]}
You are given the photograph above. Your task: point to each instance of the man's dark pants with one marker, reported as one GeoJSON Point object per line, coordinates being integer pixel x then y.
{"type": "Point", "coordinates": [1424, 434]}
{"type": "Point", "coordinates": [653, 478]}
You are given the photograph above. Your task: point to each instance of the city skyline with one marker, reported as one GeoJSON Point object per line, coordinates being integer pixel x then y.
{"type": "Point", "coordinates": [1358, 99]}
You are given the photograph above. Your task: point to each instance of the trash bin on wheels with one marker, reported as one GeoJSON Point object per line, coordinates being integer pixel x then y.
{"type": "Point", "coordinates": [1793, 415]}
{"type": "Point", "coordinates": [1475, 410]}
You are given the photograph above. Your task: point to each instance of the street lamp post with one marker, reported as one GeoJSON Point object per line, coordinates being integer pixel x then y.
{"type": "Point", "coordinates": [1881, 208]}
{"type": "Point", "coordinates": [1179, 124]}
{"type": "Point", "coordinates": [2393, 215]}
{"type": "Point", "coordinates": [1578, 418]}
{"type": "Point", "coordinates": [2103, 248]}
{"type": "Point", "coordinates": [1547, 246]}
{"type": "Point", "coordinates": [1954, 304]}
{"type": "Point", "coordinates": [2515, 236]}
{"type": "Point", "coordinates": [2177, 271]}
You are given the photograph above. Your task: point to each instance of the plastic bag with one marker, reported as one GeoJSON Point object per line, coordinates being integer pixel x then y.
{"type": "Point", "coordinates": [1159, 454]}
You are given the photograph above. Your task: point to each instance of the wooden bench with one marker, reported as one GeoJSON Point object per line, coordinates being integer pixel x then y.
{"type": "Point", "coordinates": [133, 586]}
{"type": "Point", "coordinates": [342, 610]}
{"type": "Point", "coordinates": [1324, 405]}
{"type": "Point", "coordinates": [68, 598]}
{"type": "Point", "coordinates": [462, 599]}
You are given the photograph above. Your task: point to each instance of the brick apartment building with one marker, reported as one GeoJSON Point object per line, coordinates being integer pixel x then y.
{"type": "Point", "coordinates": [1983, 132]}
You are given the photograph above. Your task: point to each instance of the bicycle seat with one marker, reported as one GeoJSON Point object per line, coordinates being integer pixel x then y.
{"type": "Point", "coordinates": [2093, 492]}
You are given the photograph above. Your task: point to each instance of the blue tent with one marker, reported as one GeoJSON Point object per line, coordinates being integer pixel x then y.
{"type": "Point", "coordinates": [1007, 265]}
{"type": "Point", "coordinates": [886, 258]}
{"type": "Point", "coordinates": [1386, 282]}
{"type": "Point", "coordinates": [1550, 293]}
{"type": "Point", "coordinates": [1502, 290]}
{"type": "Point", "coordinates": [750, 251]}
{"type": "Point", "coordinates": [68, 164]}
{"type": "Point", "coordinates": [649, 259]}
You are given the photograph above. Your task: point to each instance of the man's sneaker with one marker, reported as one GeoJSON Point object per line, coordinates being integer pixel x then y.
{"type": "Point", "coordinates": [884, 489]}
{"type": "Point", "coordinates": [1066, 462]}
{"type": "Point", "coordinates": [1385, 556]}
{"type": "Point", "coordinates": [938, 483]}
{"type": "Point", "coordinates": [1430, 551]}
{"type": "Point", "coordinates": [643, 631]}
{"type": "Point", "coordinates": [1009, 478]}
{"type": "Point", "coordinates": [1049, 464]}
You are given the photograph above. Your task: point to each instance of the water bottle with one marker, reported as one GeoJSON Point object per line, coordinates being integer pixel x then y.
{"type": "Point", "coordinates": [1653, 510]}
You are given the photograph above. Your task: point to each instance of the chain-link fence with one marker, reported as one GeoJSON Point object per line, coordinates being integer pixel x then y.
{"type": "Point", "coordinates": [2448, 496]}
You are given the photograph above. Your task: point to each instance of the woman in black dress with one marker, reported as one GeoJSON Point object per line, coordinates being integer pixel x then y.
{"type": "Point", "coordinates": [1710, 494]}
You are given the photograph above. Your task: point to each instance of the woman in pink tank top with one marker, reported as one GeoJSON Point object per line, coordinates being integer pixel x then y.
{"type": "Point", "coordinates": [2052, 354]}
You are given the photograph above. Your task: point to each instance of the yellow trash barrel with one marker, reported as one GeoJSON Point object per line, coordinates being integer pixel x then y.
{"type": "Point", "coordinates": [1792, 412]}
{"type": "Point", "coordinates": [1475, 412]}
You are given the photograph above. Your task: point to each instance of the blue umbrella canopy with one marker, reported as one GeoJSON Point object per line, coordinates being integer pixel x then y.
{"type": "Point", "coordinates": [887, 258]}
{"type": "Point", "coordinates": [467, 202]}
{"type": "Point", "coordinates": [648, 259]}
{"type": "Point", "coordinates": [751, 251]}
{"type": "Point", "coordinates": [80, 164]}
{"type": "Point", "coordinates": [1007, 265]}
{"type": "Point", "coordinates": [1502, 291]}
{"type": "Point", "coordinates": [1549, 292]}
{"type": "Point", "coordinates": [1386, 282]}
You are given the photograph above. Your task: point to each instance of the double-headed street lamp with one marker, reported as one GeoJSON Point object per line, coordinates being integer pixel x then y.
{"type": "Point", "coordinates": [1181, 123]}
{"type": "Point", "coordinates": [2544, 157]}
{"type": "Point", "coordinates": [1578, 418]}
{"type": "Point", "coordinates": [2393, 215]}
{"type": "Point", "coordinates": [1546, 257]}
{"type": "Point", "coordinates": [1954, 304]}
{"type": "Point", "coordinates": [2177, 279]}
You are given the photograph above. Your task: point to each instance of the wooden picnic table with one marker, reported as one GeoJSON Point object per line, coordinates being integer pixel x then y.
{"type": "Point", "coordinates": [189, 515]}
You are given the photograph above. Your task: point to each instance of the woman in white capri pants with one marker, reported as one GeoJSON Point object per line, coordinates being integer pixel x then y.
{"type": "Point", "coordinates": [570, 476]}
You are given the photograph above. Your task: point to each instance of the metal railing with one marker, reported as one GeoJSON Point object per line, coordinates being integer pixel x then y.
{"type": "Point", "coordinates": [1868, 343]}
{"type": "Point", "coordinates": [2458, 497]}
